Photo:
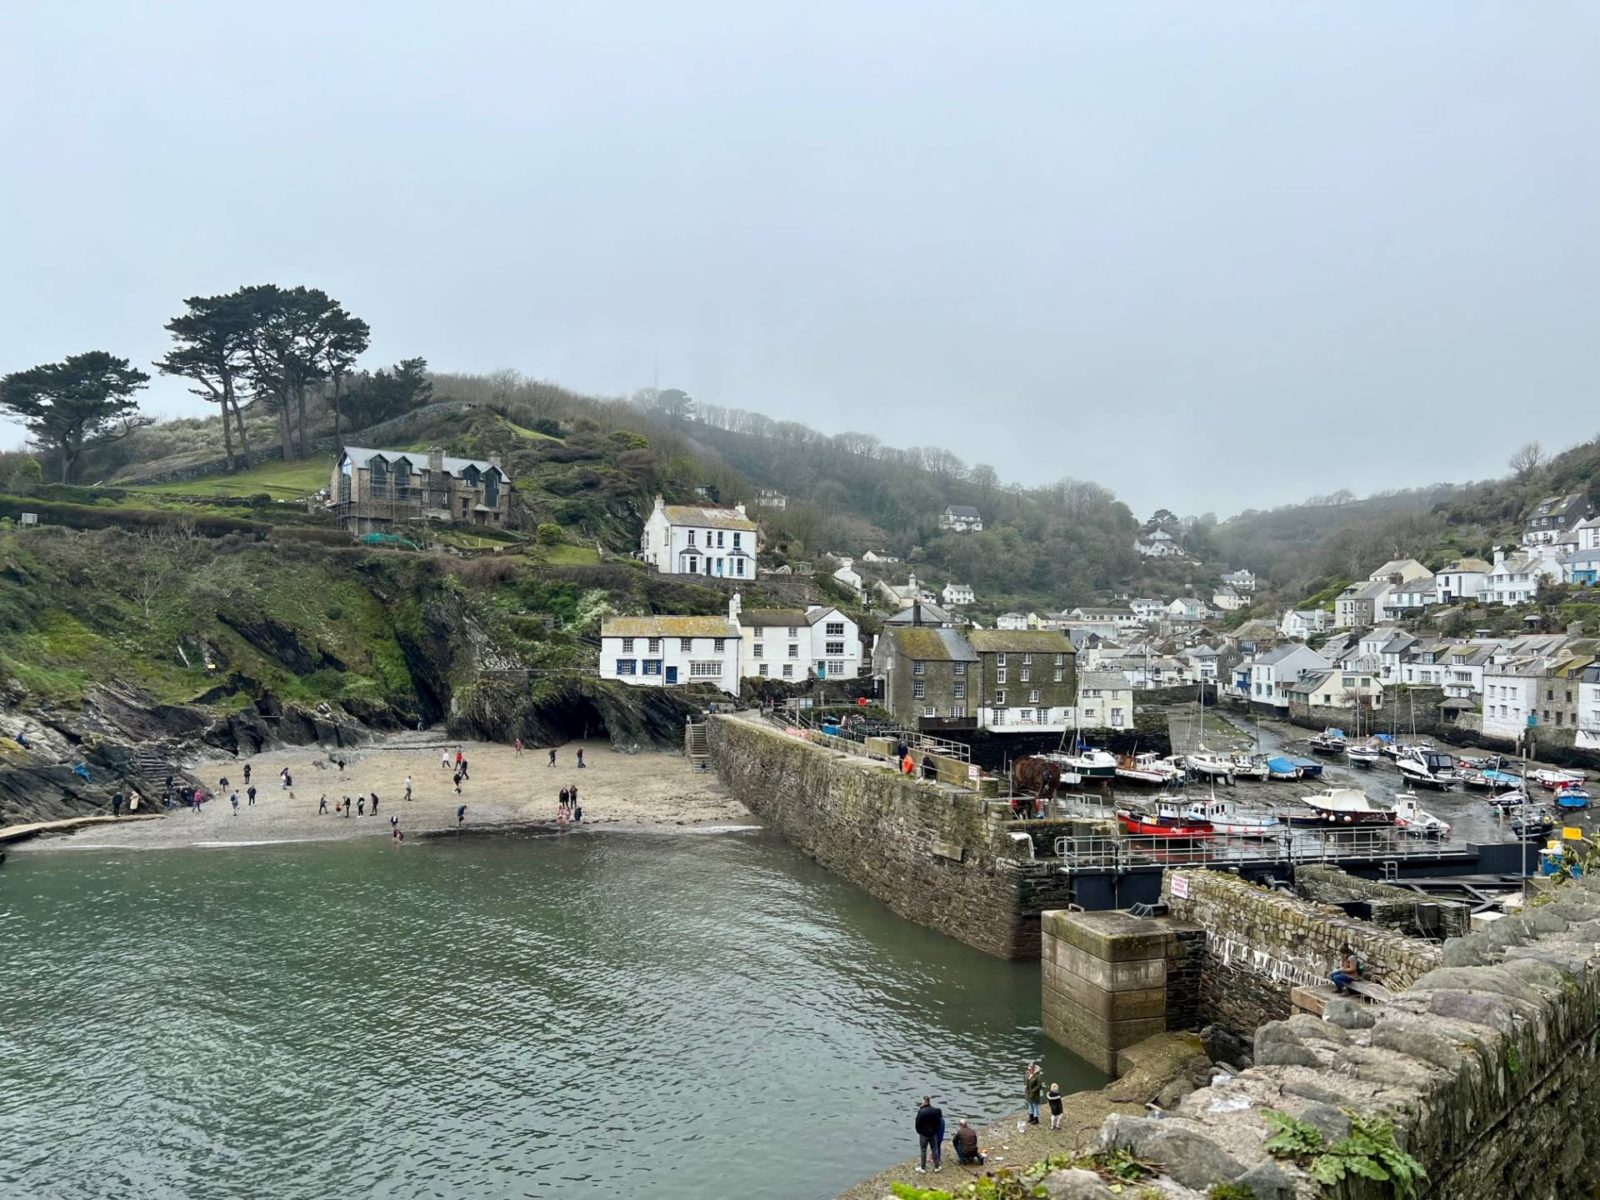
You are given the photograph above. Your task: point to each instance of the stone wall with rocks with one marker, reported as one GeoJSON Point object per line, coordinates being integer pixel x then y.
{"type": "Point", "coordinates": [1395, 908]}
{"type": "Point", "coordinates": [928, 851]}
{"type": "Point", "coordinates": [1260, 942]}
{"type": "Point", "coordinates": [1485, 1066]}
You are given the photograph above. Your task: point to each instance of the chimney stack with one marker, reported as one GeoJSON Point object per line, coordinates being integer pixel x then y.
{"type": "Point", "coordinates": [494, 461]}
{"type": "Point", "coordinates": [735, 607]}
{"type": "Point", "coordinates": [436, 460]}
{"type": "Point", "coordinates": [1499, 556]}
{"type": "Point", "coordinates": [739, 508]}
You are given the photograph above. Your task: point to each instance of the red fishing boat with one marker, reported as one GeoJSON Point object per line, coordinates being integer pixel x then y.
{"type": "Point", "coordinates": [1168, 820]}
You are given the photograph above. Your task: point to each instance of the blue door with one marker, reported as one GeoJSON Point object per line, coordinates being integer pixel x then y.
{"type": "Point", "coordinates": [672, 674]}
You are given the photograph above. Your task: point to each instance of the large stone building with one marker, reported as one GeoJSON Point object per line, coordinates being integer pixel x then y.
{"type": "Point", "coordinates": [376, 490]}
{"type": "Point", "coordinates": [1026, 679]}
{"type": "Point", "coordinates": [929, 673]}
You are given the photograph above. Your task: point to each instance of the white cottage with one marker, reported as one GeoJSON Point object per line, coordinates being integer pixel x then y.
{"type": "Point", "coordinates": [681, 539]}
{"type": "Point", "coordinates": [669, 651]}
{"type": "Point", "coordinates": [956, 594]}
{"type": "Point", "coordinates": [792, 643]}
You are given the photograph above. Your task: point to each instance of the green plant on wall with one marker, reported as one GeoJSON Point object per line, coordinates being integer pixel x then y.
{"type": "Point", "coordinates": [1368, 1152]}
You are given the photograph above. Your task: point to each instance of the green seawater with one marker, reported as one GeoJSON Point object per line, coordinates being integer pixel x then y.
{"type": "Point", "coordinates": [614, 1015]}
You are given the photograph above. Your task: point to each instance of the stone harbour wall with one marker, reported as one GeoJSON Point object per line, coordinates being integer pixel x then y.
{"type": "Point", "coordinates": [1395, 908]}
{"type": "Point", "coordinates": [1485, 1067]}
{"type": "Point", "coordinates": [931, 853]}
{"type": "Point", "coordinates": [1260, 942]}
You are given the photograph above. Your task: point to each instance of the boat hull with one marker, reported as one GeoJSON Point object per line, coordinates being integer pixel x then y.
{"type": "Point", "coordinates": [1150, 827]}
{"type": "Point", "coordinates": [1320, 820]}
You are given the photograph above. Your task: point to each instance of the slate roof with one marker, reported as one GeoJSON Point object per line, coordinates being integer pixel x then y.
{"type": "Point", "coordinates": [964, 510]}
{"type": "Point", "coordinates": [768, 617]}
{"type": "Point", "coordinates": [362, 456]}
{"type": "Point", "coordinates": [1105, 680]}
{"type": "Point", "coordinates": [920, 612]}
{"type": "Point", "coordinates": [1023, 641]}
{"type": "Point", "coordinates": [1468, 565]}
{"type": "Point", "coordinates": [713, 518]}
{"type": "Point", "coordinates": [932, 644]}
{"type": "Point", "coordinates": [1274, 657]}
{"type": "Point", "coordinates": [678, 627]}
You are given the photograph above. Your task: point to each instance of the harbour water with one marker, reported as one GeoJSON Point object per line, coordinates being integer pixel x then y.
{"type": "Point", "coordinates": [625, 1015]}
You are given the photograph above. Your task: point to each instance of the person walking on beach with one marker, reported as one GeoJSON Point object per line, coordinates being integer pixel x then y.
{"type": "Point", "coordinates": [374, 803]}
{"type": "Point", "coordinates": [408, 787]}
{"type": "Point", "coordinates": [361, 806]}
{"type": "Point", "coordinates": [233, 799]}
{"type": "Point", "coordinates": [247, 774]}
{"type": "Point", "coordinates": [461, 815]}
{"type": "Point", "coordinates": [222, 784]}
{"type": "Point", "coordinates": [927, 1125]}
{"type": "Point", "coordinates": [459, 757]}
{"type": "Point", "coordinates": [456, 779]}
{"type": "Point", "coordinates": [250, 793]}
{"type": "Point", "coordinates": [517, 745]}
{"type": "Point", "coordinates": [580, 756]}
{"type": "Point", "coordinates": [198, 796]}
{"type": "Point", "coordinates": [116, 803]}
{"type": "Point", "coordinates": [285, 778]}
{"type": "Point", "coordinates": [347, 807]}
{"type": "Point", "coordinates": [444, 759]}
{"type": "Point", "coordinates": [1054, 1097]}
{"type": "Point", "coordinates": [464, 769]}
{"type": "Point", "coordinates": [322, 805]}
{"type": "Point", "coordinates": [133, 800]}
{"type": "Point", "coordinates": [1033, 1089]}
{"type": "Point", "coordinates": [552, 756]}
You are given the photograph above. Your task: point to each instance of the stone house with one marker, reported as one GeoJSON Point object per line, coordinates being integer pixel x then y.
{"type": "Point", "coordinates": [1105, 701]}
{"type": "Point", "coordinates": [928, 675]}
{"type": "Point", "coordinates": [377, 490]}
{"type": "Point", "coordinates": [1357, 605]}
{"type": "Point", "coordinates": [1027, 679]}
{"type": "Point", "coordinates": [1553, 516]}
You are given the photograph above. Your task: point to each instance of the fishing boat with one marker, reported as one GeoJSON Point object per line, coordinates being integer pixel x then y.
{"type": "Point", "coordinates": [1330, 741]}
{"type": "Point", "coordinates": [1168, 819]}
{"type": "Point", "coordinates": [1226, 822]}
{"type": "Point", "coordinates": [1310, 768]}
{"type": "Point", "coordinates": [1485, 779]}
{"type": "Point", "coordinates": [1336, 806]}
{"type": "Point", "coordinates": [1532, 823]}
{"type": "Point", "coordinates": [1572, 798]}
{"type": "Point", "coordinates": [1149, 768]}
{"type": "Point", "coordinates": [1515, 798]}
{"type": "Point", "coordinates": [1366, 756]}
{"type": "Point", "coordinates": [1087, 763]}
{"type": "Point", "coordinates": [1388, 746]}
{"type": "Point", "coordinates": [1410, 818]}
{"type": "Point", "coordinates": [1428, 768]}
{"type": "Point", "coordinates": [1250, 766]}
{"type": "Point", "coordinates": [1551, 780]}
{"type": "Point", "coordinates": [1279, 767]}
{"type": "Point", "coordinates": [1202, 764]}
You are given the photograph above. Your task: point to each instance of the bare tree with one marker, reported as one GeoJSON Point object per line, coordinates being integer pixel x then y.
{"type": "Point", "coordinates": [1527, 460]}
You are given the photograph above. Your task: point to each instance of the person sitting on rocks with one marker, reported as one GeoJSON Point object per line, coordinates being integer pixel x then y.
{"type": "Point", "coordinates": [965, 1144]}
{"type": "Point", "coordinates": [1347, 972]}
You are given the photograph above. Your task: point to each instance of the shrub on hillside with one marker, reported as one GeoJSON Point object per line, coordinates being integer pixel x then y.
{"type": "Point", "coordinates": [549, 534]}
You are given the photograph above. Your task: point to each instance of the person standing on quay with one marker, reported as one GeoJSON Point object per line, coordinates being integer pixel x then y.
{"type": "Point", "coordinates": [1033, 1088]}
{"type": "Point", "coordinates": [361, 806]}
{"type": "Point", "coordinates": [408, 787]}
{"type": "Point", "coordinates": [927, 1125]}
{"type": "Point", "coordinates": [580, 756]}
{"type": "Point", "coordinates": [198, 797]}
{"type": "Point", "coordinates": [374, 803]}
{"type": "Point", "coordinates": [461, 815]}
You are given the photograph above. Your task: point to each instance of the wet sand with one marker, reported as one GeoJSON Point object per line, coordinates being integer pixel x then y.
{"type": "Point", "coordinates": [616, 790]}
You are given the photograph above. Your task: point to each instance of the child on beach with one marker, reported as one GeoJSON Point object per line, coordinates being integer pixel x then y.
{"type": "Point", "coordinates": [1054, 1097]}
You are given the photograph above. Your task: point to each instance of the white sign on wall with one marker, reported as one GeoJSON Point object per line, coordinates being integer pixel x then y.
{"type": "Point", "coordinates": [1180, 887]}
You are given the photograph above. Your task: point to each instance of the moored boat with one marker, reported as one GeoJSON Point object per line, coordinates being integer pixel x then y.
{"type": "Point", "coordinates": [1202, 764]}
{"type": "Point", "coordinates": [1148, 768]}
{"type": "Point", "coordinates": [1249, 766]}
{"type": "Point", "coordinates": [1337, 806]}
{"type": "Point", "coordinates": [1572, 798]}
{"type": "Point", "coordinates": [1515, 798]}
{"type": "Point", "coordinates": [1310, 768]}
{"type": "Point", "coordinates": [1550, 779]}
{"type": "Point", "coordinates": [1330, 741]}
{"type": "Point", "coordinates": [1410, 818]}
{"type": "Point", "coordinates": [1489, 778]}
{"type": "Point", "coordinates": [1279, 767]}
{"type": "Point", "coordinates": [1532, 823]}
{"type": "Point", "coordinates": [1365, 756]}
{"type": "Point", "coordinates": [1088, 763]}
{"type": "Point", "coordinates": [1226, 822]}
{"type": "Point", "coordinates": [1166, 820]}
{"type": "Point", "coordinates": [1427, 768]}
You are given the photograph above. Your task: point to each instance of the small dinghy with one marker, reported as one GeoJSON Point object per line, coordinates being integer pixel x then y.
{"type": "Point", "coordinates": [1410, 818]}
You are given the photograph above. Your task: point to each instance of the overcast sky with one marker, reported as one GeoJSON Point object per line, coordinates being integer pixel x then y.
{"type": "Point", "coordinates": [1213, 255]}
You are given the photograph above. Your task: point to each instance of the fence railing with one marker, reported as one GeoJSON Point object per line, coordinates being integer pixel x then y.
{"type": "Point", "coordinates": [1299, 846]}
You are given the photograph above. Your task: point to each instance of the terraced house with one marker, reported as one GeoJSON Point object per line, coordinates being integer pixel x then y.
{"type": "Point", "coordinates": [668, 651]}
{"type": "Point", "coordinates": [1027, 679]}
{"type": "Point", "coordinates": [378, 490]}
{"type": "Point", "coordinates": [793, 643]}
{"type": "Point", "coordinates": [929, 675]}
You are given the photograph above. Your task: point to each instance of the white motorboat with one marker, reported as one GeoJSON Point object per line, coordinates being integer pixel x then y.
{"type": "Point", "coordinates": [1427, 768]}
{"type": "Point", "coordinates": [1515, 798]}
{"type": "Point", "coordinates": [1410, 818]}
{"type": "Point", "coordinates": [1552, 780]}
{"type": "Point", "coordinates": [1248, 766]}
{"type": "Point", "coordinates": [1089, 764]}
{"type": "Point", "coordinates": [1202, 764]}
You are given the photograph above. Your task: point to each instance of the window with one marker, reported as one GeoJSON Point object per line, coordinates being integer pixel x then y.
{"type": "Point", "coordinates": [719, 539]}
{"type": "Point", "coordinates": [378, 479]}
{"type": "Point", "coordinates": [1027, 660]}
{"type": "Point", "coordinates": [1349, 681]}
{"type": "Point", "coordinates": [736, 538]}
{"type": "Point", "coordinates": [1033, 697]}
{"type": "Point", "coordinates": [1027, 673]}
{"type": "Point", "coordinates": [652, 666]}
{"type": "Point", "coordinates": [788, 670]}
{"type": "Point", "coordinates": [686, 644]}
{"type": "Point", "coordinates": [466, 505]}
{"type": "Point", "coordinates": [627, 645]}
{"type": "Point", "coordinates": [960, 692]}
{"type": "Point", "coordinates": [794, 631]}
{"type": "Point", "coordinates": [703, 670]}
{"type": "Point", "coordinates": [1000, 675]}
{"type": "Point", "coordinates": [958, 712]}
{"type": "Point", "coordinates": [931, 713]}
{"type": "Point", "coordinates": [835, 666]}
{"type": "Point", "coordinates": [834, 648]}
{"type": "Point", "coordinates": [1116, 717]}
{"type": "Point", "coordinates": [719, 645]}
{"type": "Point", "coordinates": [627, 666]}
{"type": "Point", "coordinates": [1061, 661]}
{"type": "Point", "coordinates": [919, 667]}
{"type": "Point", "coordinates": [959, 669]}
{"type": "Point", "coordinates": [763, 669]}
{"type": "Point", "coordinates": [738, 566]}
{"type": "Point", "coordinates": [757, 653]}
{"type": "Point", "coordinates": [794, 650]}
{"type": "Point", "coordinates": [1060, 674]}
{"type": "Point", "coordinates": [835, 629]}
{"type": "Point", "coordinates": [655, 645]}
{"type": "Point", "coordinates": [691, 537]}
{"type": "Point", "coordinates": [1000, 660]}
{"type": "Point", "coordinates": [919, 689]}
{"type": "Point", "coordinates": [1000, 698]}
{"type": "Point", "coordinates": [491, 489]}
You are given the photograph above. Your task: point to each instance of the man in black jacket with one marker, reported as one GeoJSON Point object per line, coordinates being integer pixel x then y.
{"type": "Point", "coordinates": [929, 1122]}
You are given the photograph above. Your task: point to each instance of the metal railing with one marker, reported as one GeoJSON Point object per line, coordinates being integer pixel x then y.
{"type": "Point", "coordinates": [1299, 846]}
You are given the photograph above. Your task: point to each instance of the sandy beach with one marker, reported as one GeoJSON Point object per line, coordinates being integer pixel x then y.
{"type": "Point", "coordinates": [616, 790]}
